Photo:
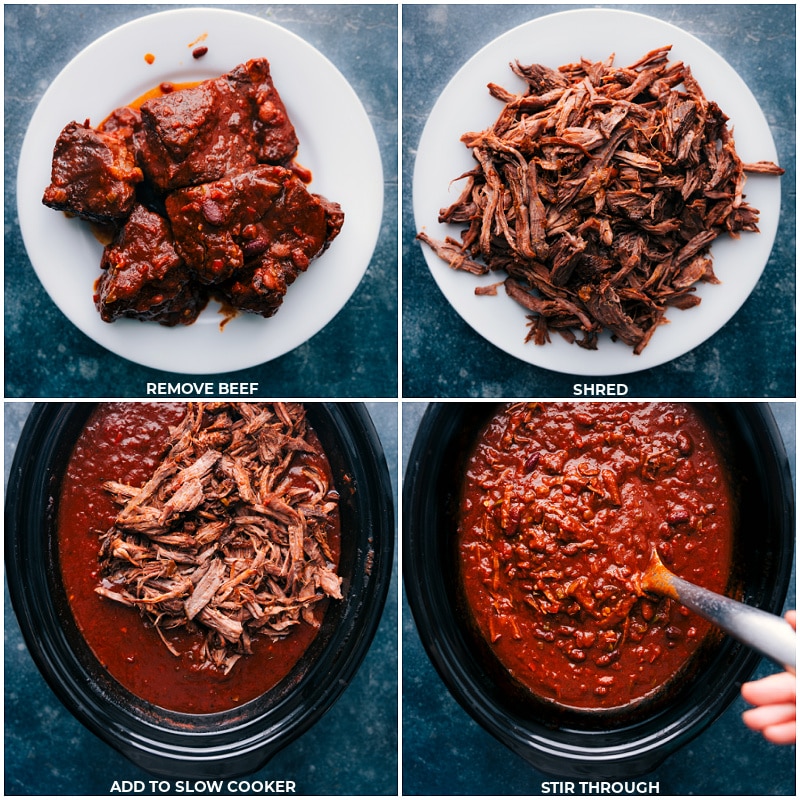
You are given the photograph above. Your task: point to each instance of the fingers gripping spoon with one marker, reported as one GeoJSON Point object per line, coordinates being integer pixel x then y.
{"type": "Point", "coordinates": [771, 635]}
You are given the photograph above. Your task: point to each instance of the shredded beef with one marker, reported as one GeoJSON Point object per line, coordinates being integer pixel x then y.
{"type": "Point", "coordinates": [230, 534]}
{"type": "Point", "coordinates": [599, 191]}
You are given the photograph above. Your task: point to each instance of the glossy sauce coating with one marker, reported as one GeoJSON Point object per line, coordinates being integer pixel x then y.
{"type": "Point", "coordinates": [561, 506]}
{"type": "Point", "coordinates": [123, 442]}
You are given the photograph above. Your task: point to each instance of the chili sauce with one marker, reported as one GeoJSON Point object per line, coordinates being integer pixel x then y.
{"type": "Point", "coordinates": [561, 507]}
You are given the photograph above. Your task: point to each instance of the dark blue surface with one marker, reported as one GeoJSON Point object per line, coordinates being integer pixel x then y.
{"type": "Point", "coordinates": [752, 356]}
{"type": "Point", "coordinates": [446, 752]}
{"type": "Point", "coordinates": [352, 750]}
{"type": "Point", "coordinates": [355, 355]}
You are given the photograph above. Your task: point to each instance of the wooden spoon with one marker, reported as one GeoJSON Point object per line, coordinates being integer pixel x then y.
{"type": "Point", "coordinates": [771, 635]}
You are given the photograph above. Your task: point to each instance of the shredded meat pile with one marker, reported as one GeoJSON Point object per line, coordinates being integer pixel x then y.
{"type": "Point", "coordinates": [599, 191]}
{"type": "Point", "coordinates": [229, 536]}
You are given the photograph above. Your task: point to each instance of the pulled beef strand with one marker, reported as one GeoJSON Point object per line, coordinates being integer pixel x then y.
{"type": "Point", "coordinates": [229, 536]}
{"type": "Point", "coordinates": [599, 191]}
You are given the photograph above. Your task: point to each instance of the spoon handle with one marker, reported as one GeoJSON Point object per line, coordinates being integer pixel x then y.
{"type": "Point", "coordinates": [771, 635]}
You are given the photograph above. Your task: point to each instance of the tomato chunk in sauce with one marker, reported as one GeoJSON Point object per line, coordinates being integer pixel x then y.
{"type": "Point", "coordinates": [124, 442]}
{"type": "Point", "coordinates": [561, 507]}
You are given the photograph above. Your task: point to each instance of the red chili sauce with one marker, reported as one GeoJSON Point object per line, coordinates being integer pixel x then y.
{"type": "Point", "coordinates": [561, 507]}
{"type": "Point", "coordinates": [123, 442]}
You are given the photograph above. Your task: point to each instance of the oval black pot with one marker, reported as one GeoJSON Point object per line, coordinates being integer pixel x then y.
{"type": "Point", "coordinates": [575, 745]}
{"type": "Point", "coordinates": [226, 744]}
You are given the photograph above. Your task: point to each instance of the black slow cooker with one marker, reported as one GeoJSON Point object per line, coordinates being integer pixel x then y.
{"type": "Point", "coordinates": [555, 742]}
{"type": "Point", "coordinates": [226, 744]}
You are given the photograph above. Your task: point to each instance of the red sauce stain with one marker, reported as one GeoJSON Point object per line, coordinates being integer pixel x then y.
{"type": "Point", "coordinates": [149, 58]}
{"type": "Point", "coordinates": [167, 87]}
{"type": "Point", "coordinates": [201, 38]}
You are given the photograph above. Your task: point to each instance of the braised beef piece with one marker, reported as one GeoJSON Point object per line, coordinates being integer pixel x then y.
{"type": "Point", "coordinates": [219, 226]}
{"type": "Point", "coordinates": [94, 174]}
{"type": "Point", "coordinates": [193, 136]}
{"type": "Point", "coordinates": [126, 120]}
{"type": "Point", "coordinates": [273, 132]}
{"type": "Point", "coordinates": [218, 201]}
{"type": "Point", "coordinates": [260, 287]}
{"type": "Point", "coordinates": [199, 134]}
{"type": "Point", "coordinates": [334, 219]}
{"type": "Point", "coordinates": [144, 277]}
{"type": "Point", "coordinates": [252, 233]}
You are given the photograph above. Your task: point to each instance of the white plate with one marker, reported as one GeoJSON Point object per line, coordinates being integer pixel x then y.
{"type": "Point", "coordinates": [335, 137]}
{"type": "Point", "coordinates": [465, 105]}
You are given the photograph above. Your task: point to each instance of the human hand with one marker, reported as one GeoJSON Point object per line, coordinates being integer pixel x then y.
{"type": "Point", "coordinates": [775, 701]}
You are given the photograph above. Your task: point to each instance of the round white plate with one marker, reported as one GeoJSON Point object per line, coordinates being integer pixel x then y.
{"type": "Point", "coordinates": [334, 132]}
{"type": "Point", "coordinates": [554, 40]}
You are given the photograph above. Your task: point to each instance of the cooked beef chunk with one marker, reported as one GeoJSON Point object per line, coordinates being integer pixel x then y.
{"type": "Point", "coordinates": [257, 230]}
{"type": "Point", "coordinates": [199, 134]}
{"type": "Point", "coordinates": [144, 278]}
{"type": "Point", "coordinates": [93, 174]}
{"type": "Point", "coordinates": [213, 222]}
{"type": "Point", "coordinates": [273, 131]}
{"type": "Point", "coordinates": [334, 219]}
{"type": "Point", "coordinates": [260, 287]}
{"type": "Point", "coordinates": [193, 136]}
{"type": "Point", "coordinates": [125, 119]}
